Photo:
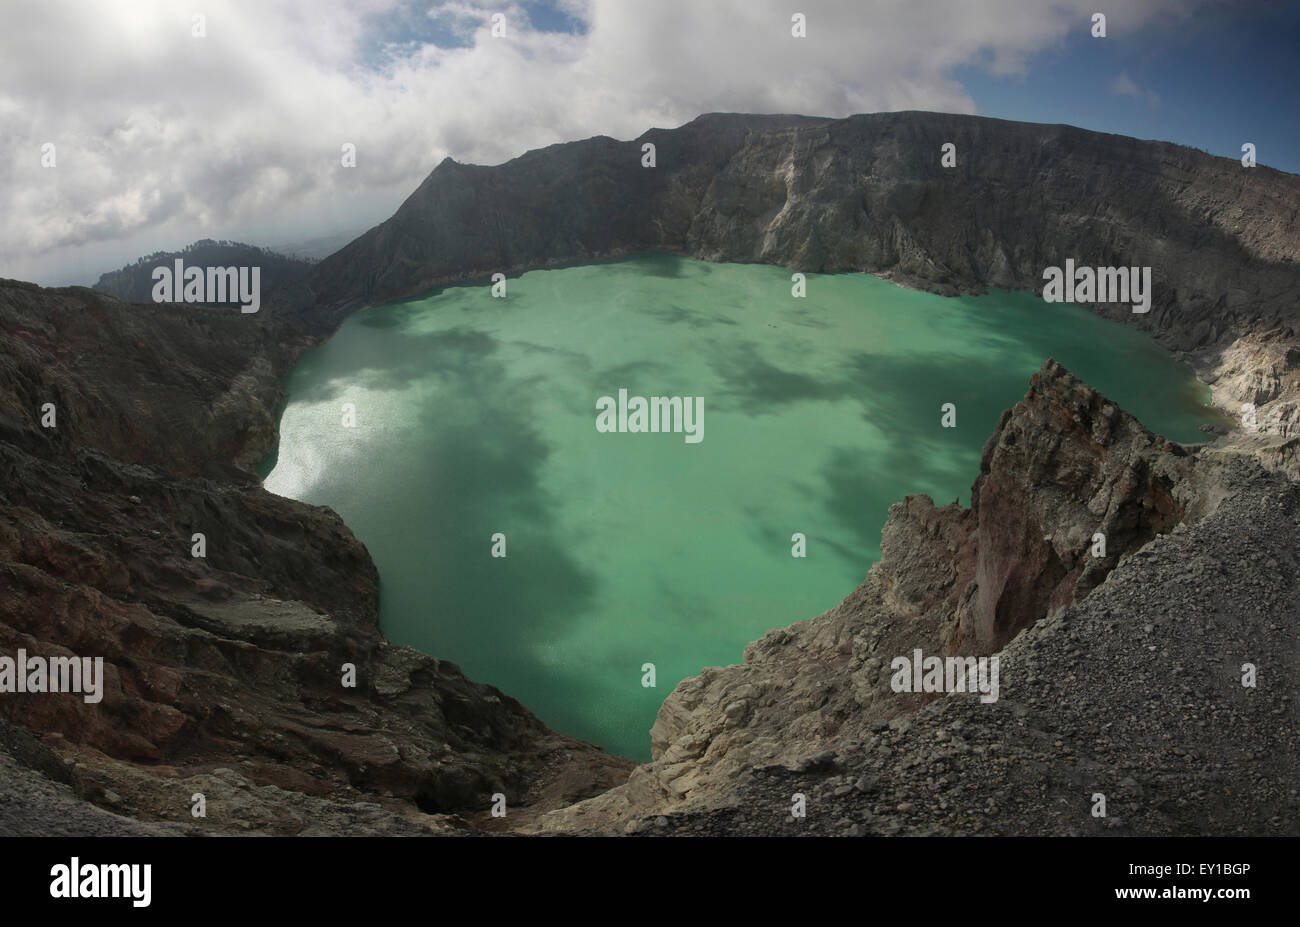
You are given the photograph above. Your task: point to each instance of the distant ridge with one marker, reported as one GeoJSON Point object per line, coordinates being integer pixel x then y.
{"type": "Point", "coordinates": [135, 282]}
{"type": "Point", "coordinates": [864, 193]}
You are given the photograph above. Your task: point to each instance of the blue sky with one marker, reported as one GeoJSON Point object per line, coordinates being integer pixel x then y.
{"type": "Point", "coordinates": [1223, 77]}
{"type": "Point", "coordinates": [390, 33]}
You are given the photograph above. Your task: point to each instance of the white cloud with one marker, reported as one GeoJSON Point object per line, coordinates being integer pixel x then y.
{"type": "Point", "coordinates": [162, 137]}
{"type": "Point", "coordinates": [1124, 86]}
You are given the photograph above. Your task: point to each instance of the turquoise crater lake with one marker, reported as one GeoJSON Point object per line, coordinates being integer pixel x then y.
{"type": "Point", "coordinates": [476, 416]}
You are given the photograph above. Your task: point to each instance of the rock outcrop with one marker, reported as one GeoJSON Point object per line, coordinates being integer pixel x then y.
{"type": "Point", "coordinates": [1068, 483]}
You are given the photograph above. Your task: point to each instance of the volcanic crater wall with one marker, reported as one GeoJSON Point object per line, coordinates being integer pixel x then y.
{"type": "Point", "coordinates": [223, 674]}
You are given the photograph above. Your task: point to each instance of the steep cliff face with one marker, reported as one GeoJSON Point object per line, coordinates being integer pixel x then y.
{"type": "Point", "coordinates": [1064, 465]}
{"type": "Point", "coordinates": [1068, 483]}
{"type": "Point", "coordinates": [223, 674]}
{"type": "Point", "coordinates": [866, 193]}
{"type": "Point", "coordinates": [186, 389]}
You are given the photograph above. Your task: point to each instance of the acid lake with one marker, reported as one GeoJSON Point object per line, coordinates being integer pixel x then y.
{"type": "Point", "coordinates": [447, 428]}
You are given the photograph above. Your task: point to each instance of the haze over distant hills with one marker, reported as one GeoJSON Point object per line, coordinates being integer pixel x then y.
{"type": "Point", "coordinates": [313, 249]}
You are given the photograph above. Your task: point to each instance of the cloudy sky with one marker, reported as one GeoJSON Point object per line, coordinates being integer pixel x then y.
{"type": "Point", "coordinates": [162, 136]}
